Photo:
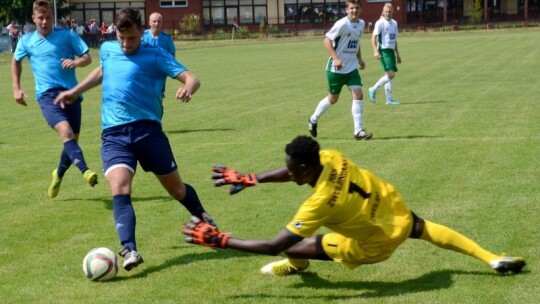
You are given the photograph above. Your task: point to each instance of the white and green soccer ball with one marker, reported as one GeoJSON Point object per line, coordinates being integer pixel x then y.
{"type": "Point", "coordinates": [100, 264]}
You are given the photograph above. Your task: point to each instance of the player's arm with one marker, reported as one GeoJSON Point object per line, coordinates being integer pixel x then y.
{"type": "Point", "coordinates": [201, 233]}
{"type": "Point", "coordinates": [16, 71]}
{"type": "Point", "coordinates": [361, 62]}
{"type": "Point", "coordinates": [84, 60]}
{"type": "Point", "coordinates": [396, 51]}
{"type": "Point", "coordinates": [93, 79]}
{"type": "Point", "coordinates": [226, 176]}
{"type": "Point", "coordinates": [328, 45]}
{"type": "Point", "coordinates": [375, 47]}
{"type": "Point", "coordinates": [191, 85]}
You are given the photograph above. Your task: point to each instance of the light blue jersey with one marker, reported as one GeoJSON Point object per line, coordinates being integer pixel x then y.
{"type": "Point", "coordinates": [46, 54]}
{"type": "Point", "coordinates": [132, 84]}
{"type": "Point", "coordinates": [164, 41]}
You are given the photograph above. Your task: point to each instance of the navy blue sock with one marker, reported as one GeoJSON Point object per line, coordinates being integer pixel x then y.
{"type": "Point", "coordinates": [124, 220]}
{"type": "Point", "coordinates": [64, 164]}
{"type": "Point", "coordinates": [74, 152]}
{"type": "Point", "coordinates": [192, 203]}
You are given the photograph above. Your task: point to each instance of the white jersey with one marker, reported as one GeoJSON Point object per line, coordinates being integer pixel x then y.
{"type": "Point", "coordinates": [345, 36]}
{"type": "Point", "coordinates": [387, 32]}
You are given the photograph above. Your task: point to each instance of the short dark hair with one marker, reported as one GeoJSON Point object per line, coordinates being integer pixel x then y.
{"type": "Point", "coordinates": [304, 150]}
{"type": "Point", "coordinates": [128, 17]}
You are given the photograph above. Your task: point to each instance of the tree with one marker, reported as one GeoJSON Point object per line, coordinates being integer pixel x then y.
{"type": "Point", "coordinates": [477, 12]}
{"type": "Point", "coordinates": [21, 10]}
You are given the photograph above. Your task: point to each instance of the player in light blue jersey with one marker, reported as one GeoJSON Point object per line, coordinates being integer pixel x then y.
{"type": "Point", "coordinates": [132, 75]}
{"type": "Point", "coordinates": [51, 52]}
{"type": "Point", "coordinates": [154, 36]}
{"type": "Point", "coordinates": [343, 44]}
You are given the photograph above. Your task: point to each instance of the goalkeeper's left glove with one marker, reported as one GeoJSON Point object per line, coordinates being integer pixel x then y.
{"type": "Point", "coordinates": [201, 233]}
{"type": "Point", "coordinates": [239, 181]}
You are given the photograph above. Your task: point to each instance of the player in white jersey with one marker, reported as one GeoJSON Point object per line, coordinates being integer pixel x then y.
{"type": "Point", "coordinates": [343, 44]}
{"type": "Point", "coordinates": [385, 49]}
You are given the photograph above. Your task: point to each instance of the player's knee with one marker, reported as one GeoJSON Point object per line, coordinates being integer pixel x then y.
{"type": "Point", "coordinates": [418, 226]}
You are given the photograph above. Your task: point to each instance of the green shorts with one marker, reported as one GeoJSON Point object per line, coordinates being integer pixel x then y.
{"type": "Point", "coordinates": [388, 60]}
{"type": "Point", "coordinates": [336, 81]}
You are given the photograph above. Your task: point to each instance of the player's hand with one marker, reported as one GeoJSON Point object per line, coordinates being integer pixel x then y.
{"type": "Point", "coordinates": [239, 181]}
{"type": "Point", "coordinates": [201, 233]}
{"type": "Point", "coordinates": [68, 63]}
{"type": "Point", "coordinates": [362, 64]}
{"type": "Point", "coordinates": [19, 96]}
{"type": "Point", "coordinates": [183, 95]}
{"type": "Point", "coordinates": [66, 98]}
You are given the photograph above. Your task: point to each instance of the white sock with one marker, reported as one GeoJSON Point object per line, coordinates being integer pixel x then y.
{"type": "Point", "coordinates": [388, 90]}
{"type": "Point", "coordinates": [357, 109]}
{"type": "Point", "coordinates": [381, 82]}
{"type": "Point", "coordinates": [323, 105]}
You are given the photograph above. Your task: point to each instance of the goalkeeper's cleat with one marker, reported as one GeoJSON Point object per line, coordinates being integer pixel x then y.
{"type": "Point", "coordinates": [392, 102]}
{"type": "Point", "coordinates": [132, 259]}
{"type": "Point", "coordinates": [90, 177]}
{"type": "Point", "coordinates": [508, 264]}
{"type": "Point", "coordinates": [54, 188]}
{"type": "Point", "coordinates": [372, 94]}
{"type": "Point", "coordinates": [363, 134]}
{"type": "Point", "coordinates": [312, 127]}
{"type": "Point", "coordinates": [283, 268]}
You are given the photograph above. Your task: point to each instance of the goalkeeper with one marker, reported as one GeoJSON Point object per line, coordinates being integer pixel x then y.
{"type": "Point", "coordinates": [367, 216]}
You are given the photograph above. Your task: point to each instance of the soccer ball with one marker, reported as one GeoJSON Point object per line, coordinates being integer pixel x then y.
{"type": "Point", "coordinates": [100, 264]}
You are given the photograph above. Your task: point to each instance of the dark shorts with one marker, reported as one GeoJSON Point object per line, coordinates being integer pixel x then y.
{"type": "Point", "coordinates": [142, 141]}
{"type": "Point", "coordinates": [54, 113]}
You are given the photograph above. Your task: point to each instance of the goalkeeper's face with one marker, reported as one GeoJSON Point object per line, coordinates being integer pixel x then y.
{"type": "Point", "coordinates": [299, 173]}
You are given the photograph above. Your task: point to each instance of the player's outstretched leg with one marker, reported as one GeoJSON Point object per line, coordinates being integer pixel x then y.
{"type": "Point", "coordinates": [447, 238]}
{"type": "Point", "coordinates": [285, 267]}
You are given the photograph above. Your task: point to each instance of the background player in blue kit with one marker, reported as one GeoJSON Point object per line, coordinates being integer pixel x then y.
{"type": "Point", "coordinates": [52, 52]}
{"type": "Point", "coordinates": [132, 75]}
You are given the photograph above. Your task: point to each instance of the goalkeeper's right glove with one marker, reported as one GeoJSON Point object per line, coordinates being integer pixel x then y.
{"type": "Point", "coordinates": [201, 233]}
{"type": "Point", "coordinates": [239, 181]}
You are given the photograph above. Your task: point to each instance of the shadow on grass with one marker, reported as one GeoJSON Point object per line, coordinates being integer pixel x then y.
{"type": "Point", "coordinates": [186, 259]}
{"type": "Point", "coordinates": [435, 280]}
{"type": "Point", "coordinates": [198, 130]}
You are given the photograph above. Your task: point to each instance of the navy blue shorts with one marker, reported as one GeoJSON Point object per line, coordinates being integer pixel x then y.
{"type": "Point", "coordinates": [142, 141]}
{"type": "Point", "coordinates": [54, 113]}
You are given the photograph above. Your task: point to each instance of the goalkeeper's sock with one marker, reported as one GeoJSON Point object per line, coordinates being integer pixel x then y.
{"type": "Point", "coordinates": [447, 238]}
{"type": "Point", "coordinates": [323, 105]}
{"type": "Point", "coordinates": [192, 203]}
{"type": "Point", "coordinates": [124, 220]}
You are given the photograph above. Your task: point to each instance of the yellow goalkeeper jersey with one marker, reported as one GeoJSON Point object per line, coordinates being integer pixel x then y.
{"type": "Point", "coordinates": [352, 202]}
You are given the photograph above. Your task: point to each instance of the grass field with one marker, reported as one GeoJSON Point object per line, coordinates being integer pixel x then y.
{"type": "Point", "coordinates": [463, 150]}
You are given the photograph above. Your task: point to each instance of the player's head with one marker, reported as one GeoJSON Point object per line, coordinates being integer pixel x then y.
{"type": "Point", "coordinates": [42, 16]}
{"type": "Point", "coordinates": [353, 9]}
{"type": "Point", "coordinates": [303, 160]}
{"type": "Point", "coordinates": [387, 11]}
{"type": "Point", "coordinates": [156, 23]}
{"type": "Point", "coordinates": [129, 29]}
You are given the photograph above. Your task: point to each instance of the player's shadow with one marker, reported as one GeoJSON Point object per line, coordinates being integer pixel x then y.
{"type": "Point", "coordinates": [184, 259]}
{"type": "Point", "coordinates": [406, 137]}
{"type": "Point", "coordinates": [198, 131]}
{"type": "Point", "coordinates": [431, 281]}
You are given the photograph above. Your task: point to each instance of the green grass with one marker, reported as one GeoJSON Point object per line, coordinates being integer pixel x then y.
{"type": "Point", "coordinates": [462, 148]}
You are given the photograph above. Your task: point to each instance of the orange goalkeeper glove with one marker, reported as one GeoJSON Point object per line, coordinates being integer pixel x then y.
{"type": "Point", "coordinates": [201, 233]}
{"type": "Point", "coordinates": [239, 181]}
